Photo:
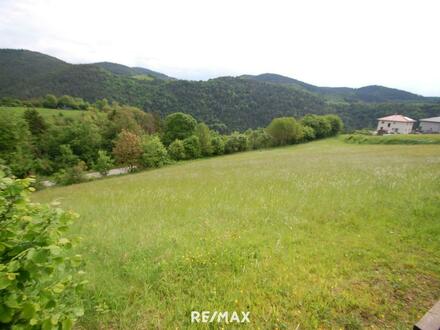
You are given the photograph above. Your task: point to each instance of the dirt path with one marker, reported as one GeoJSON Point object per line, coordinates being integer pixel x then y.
{"type": "Point", "coordinates": [92, 175]}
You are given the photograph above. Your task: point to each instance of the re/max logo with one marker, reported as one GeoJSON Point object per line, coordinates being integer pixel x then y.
{"type": "Point", "coordinates": [219, 317]}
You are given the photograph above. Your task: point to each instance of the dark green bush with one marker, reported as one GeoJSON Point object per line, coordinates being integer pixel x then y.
{"type": "Point", "coordinates": [104, 163]}
{"type": "Point", "coordinates": [308, 133]}
{"type": "Point", "coordinates": [154, 153]}
{"type": "Point", "coordinates": [50, 101]}
{"type": "Point", "coordinates": [218, 145]}
{"type": "Point", "coordinates": [39, 276]}
{"type": "Point", "coordinates": [178, 126]}
{"type": "Point", "coordinates": [71, 175]}
{"type": "Point", "coordinates": [285, 130]}
{"type": "Point", "coordinates": [176, 150]}
{"type": "Point", "coordinates": [259, 139]}
{"type": "Point", "coordinates": [236, 142]}
{"type": "Point", "coordinates": [192, 147]}
{"type": "Point", "coordinates": [204, 135]}
{"type": "Point", "coordinates": [320, 125]}
{"type": "Point", "coordinates": [336, 124]}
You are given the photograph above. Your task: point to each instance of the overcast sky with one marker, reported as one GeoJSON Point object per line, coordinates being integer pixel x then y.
{"type": "Point", "coordinates": [353, 43]}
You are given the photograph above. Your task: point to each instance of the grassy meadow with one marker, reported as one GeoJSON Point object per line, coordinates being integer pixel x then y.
{"type": "Point", "coordinates": [320, 235]}
{"type": "Point", "coordinates": [47, 114]}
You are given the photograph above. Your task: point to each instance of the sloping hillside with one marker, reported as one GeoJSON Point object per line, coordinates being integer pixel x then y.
{"type": "Point", "coordinates": [21, 67]}
{"type": "Point", "coordinates": [225, 103]}
{"type": "Point", "coordinates": [136, 72]}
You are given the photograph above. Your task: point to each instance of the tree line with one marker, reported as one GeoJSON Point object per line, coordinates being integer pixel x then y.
{"type": "Point", "coordinates": [109, 135]}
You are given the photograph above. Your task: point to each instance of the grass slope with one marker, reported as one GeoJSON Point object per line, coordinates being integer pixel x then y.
{"type": "Point", "coordinates": [325, 234]}
{"type": "Point", "coordinates": [47, 114]}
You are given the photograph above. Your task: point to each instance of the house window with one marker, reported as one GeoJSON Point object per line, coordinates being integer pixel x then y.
{"type": "Point", "coordinates": [389, 124]}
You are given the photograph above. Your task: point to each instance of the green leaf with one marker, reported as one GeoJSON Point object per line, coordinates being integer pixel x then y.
{"type": "Point", "coordinates": [11, 301]}
{"type": "Point", "coordinates": [11, 276]}
{"type": "Point", "coordinates": [76, 260]}
{"type": "Point", "coordinates": [63, 241]}
{"type": "Point", "coordinates": [67, 324]}
{"type": "Point", "coordinates": [54, 319]}
{"type": "Point", "coordinates": [55, 250]}
{"type": "Point", "coordinates": [13, 266]}
{"type": "Point", "coordinates": [28, 311]}
{"type": "Point", "coordinates": [4, 282]}
{"type": "Point", "coordinates": [47, 325]}
{"type": "Point", "coordinates": [58, 288]}
{"type": "Point", "coordinates": [6, 314]}
{"type": "Point", "coordinates": [78, 311]}
{"type": "Point", "coordinates": [39, 256]}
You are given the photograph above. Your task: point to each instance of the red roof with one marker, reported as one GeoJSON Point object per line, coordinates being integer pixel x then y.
{"type": "Point", "coordinates": [399, 118]}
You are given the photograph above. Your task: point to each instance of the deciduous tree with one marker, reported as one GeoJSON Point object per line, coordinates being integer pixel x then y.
{"type": "Point", "coordinates": [128, 149]}
{"type": "Point", "coordinates": [204, 135]}
{"type": "Point", "coordinates": [285, 130]}
{"type": "Point", "coordinates": [178, 126]}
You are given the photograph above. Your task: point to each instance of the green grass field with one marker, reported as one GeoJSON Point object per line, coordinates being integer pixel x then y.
{"type": "Point", "coordinates": [47, 114]}
{"type": "Point", "coordinates": [319, 235]}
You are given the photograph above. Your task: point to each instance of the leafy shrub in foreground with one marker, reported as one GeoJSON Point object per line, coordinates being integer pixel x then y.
{"type": "Point", "coordinates": [39, 278]}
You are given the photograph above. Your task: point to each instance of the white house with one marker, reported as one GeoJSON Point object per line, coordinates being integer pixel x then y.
{"type": "Point", "coordinates": [430, 125]}
{"type": "Point", "coordinates": [395, 124]}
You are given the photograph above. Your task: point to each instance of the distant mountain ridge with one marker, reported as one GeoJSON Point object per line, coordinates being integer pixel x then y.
{"type": "Point", "coordinates": [374, 93]}
{"type": "Point", "coordinates": [124, 70]}
{"type": "Point", "coordinates": [225, 103]}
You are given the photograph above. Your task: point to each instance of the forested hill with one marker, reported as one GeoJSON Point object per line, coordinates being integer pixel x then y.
{"type": "Point", "coordinates": [136, 72]}
{"type": "Point", "coordinates": [367, 94]}
{"type": "Point", "coordinates": [225, 103]}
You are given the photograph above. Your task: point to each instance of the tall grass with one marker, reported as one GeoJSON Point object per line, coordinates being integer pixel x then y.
{"type": "Point", "coordinates": [324, 234]}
